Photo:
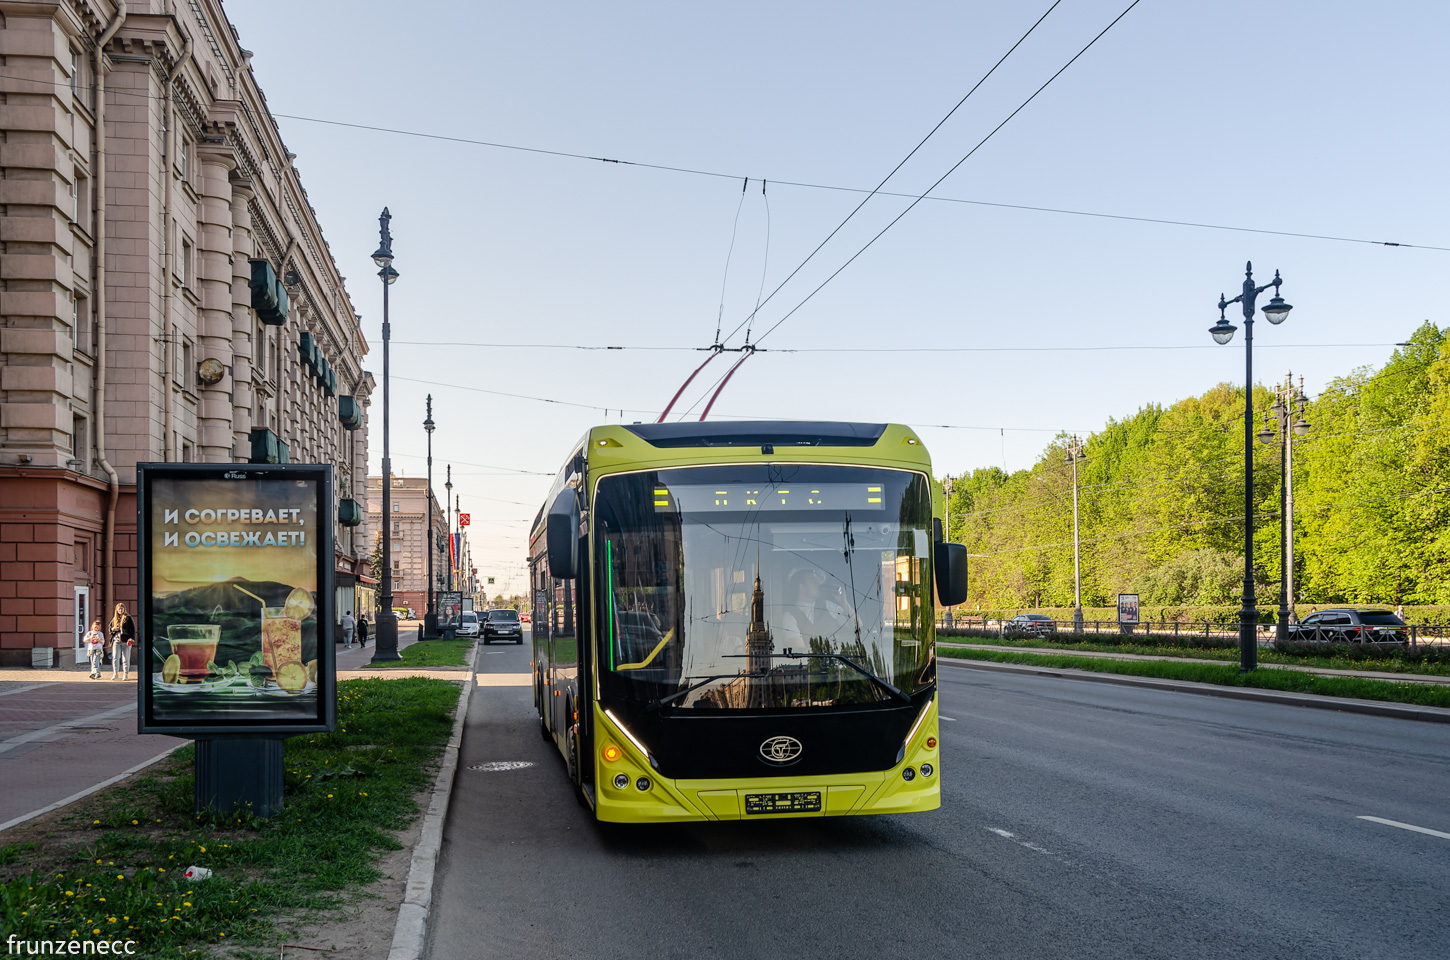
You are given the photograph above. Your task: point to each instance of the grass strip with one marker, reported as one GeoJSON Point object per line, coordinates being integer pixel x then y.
{"type": "Point", "coordinates": [1226, 654]}
{"type": "Point", "coordinates": [110, 867]}
{"type": "Point", "coordinates": [1225, 675]}
{"type": "Point", "coordinates": [431, 653]}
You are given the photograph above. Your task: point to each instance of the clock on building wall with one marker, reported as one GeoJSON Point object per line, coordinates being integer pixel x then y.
{"type": "Point", "coordinates": [210, 371]}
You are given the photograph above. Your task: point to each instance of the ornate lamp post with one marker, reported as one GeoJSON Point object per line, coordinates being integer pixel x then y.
{"type": "Point", "coordinates": [1285, 400]}
{"type": "Point", "coordinates": [430, 616]}
{"type": "Point", "coordinates": [448, 504]}
{"type": "Point", "coordinates": [1072, 456]}
{"type": "Point", "coordinates": [1223, 332]}
{"type": "Point", "coordinates": [385, 647]}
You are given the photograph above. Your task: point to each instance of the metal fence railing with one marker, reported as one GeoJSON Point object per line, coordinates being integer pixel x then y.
{"type": "Point", "coordinates": [1176, 632]}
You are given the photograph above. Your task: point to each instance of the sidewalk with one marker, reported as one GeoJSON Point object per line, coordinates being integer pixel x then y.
{"type": "Point", "coordinates": [62, 733]}
{"type": "Point", "coordinates": [1321, 671]}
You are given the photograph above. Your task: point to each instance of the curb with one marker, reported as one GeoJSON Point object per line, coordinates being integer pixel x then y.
{"type": "Point", "coordinates": [410, 934]}
{"type": "Point", "coordinates": [1373, 708]}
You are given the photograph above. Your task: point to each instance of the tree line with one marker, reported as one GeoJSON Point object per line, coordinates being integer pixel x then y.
{"type": "Point", "coordinates": [1161, 500]}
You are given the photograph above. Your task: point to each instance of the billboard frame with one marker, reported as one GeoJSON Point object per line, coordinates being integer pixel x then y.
{"type": "Point", "coordinates": [325, 719]}
{"type": "Point", "coordinates": [1128, 608]}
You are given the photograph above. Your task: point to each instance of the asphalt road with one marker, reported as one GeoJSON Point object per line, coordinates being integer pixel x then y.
{"type": "Point", "coordinates": [1079, 820]}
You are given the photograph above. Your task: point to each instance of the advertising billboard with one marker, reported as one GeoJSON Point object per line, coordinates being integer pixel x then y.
{"type": "Point", "coordinates": [236, 565]}
{"type": "Point", "coordinates": [1127, 608]}
{"type": "Point", "coordinates": [450, 605]}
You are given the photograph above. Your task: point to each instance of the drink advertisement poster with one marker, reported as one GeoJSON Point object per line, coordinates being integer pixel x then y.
{"type": "Point", "coordinates": [236, 599]}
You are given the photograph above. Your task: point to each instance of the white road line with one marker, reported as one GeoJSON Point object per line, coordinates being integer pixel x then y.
{"type": "Point", "coordinates": [952, 719]}
{"type": "Point", "coordinates": [1406, 826]}
{"type": "Point", "coordinates": [24, 738]}
{"type": "Point", "coordinates": [1008, 835]}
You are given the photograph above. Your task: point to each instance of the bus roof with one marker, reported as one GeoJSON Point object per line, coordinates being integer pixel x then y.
{"type": "Point", "coordinates": [779, 433]}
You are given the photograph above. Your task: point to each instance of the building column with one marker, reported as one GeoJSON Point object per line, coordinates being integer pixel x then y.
{"type": "Point", "coordinates": [214, 320]}
{"type": "Point", "coordinates": [244, 324]}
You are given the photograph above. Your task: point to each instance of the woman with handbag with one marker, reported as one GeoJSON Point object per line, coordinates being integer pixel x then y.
{"type": "Point", "coordinates": [123, 638]}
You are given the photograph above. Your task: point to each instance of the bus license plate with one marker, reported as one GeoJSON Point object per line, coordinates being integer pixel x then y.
{"type": "Point", "coordinates": [782, 803]}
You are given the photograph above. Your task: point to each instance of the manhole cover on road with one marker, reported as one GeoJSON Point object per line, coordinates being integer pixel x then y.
{"type": "Point", "coordinates": [498, 766]}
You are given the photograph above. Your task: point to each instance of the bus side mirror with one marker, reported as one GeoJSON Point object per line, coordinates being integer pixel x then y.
{"type": "Point", "coordinates": [951, 573]}
{"type": "Point", "coordinates": [562, 536]}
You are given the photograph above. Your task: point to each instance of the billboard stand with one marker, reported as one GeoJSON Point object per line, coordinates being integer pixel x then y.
{"type": "Point", "coordinates": [245, 774]}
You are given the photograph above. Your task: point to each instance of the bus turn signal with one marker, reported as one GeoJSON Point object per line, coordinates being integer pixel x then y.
{"type": "Point", "coordinates": [611, 753]}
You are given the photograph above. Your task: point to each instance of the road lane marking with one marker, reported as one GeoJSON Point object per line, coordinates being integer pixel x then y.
{"type": "Point", "coordinates": [1008, 835]}
{"type": "Point", "coordinates": [7, 745]}
{"type": "Point", "coordinates": [952, 719]}
{"type": "Point", "coordinates": [504, 679]}
{"type": "Point", "coordinates": [1406, 826]}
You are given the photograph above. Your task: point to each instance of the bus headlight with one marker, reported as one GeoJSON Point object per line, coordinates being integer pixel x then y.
{"type": "Point", "coordinates": [642, 783]}
{"type": "Point", "coordinates": [926, 770]}
{"type": "Point", "coordinates": [908, 774]}
{"type": "Point", "coordinates": [621, 780]}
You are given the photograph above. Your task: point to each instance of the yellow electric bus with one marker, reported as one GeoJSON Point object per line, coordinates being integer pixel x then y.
{"type": "Point", "coordinates": [735, 621]}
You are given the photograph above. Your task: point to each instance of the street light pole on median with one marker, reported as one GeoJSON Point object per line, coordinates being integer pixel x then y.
{"type": "Point", "coordinates": [385, 647]}
{"type": "Point", "coordinates": [430, 616]}
{"type": "Point", "coordinates": [1223, 332]}
{"type": "Point", "coordinates": [1283, 410]}
{"type": "Point", "coordinates": [1074, 454]}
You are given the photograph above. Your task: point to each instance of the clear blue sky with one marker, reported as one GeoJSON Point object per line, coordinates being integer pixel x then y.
{"type": "Point", "coordinates": [1308, 116]}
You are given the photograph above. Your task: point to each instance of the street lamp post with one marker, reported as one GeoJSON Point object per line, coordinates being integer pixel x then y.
{"type": "Point", "coordinates": [1223, 332]}
{"type": "Point", "coordinates": [1285, 400]}
{"type": "Point", "coordinates": [430, 617]}
{"type": "Point", "coordinates": [448, 505]}
{"type": "Point", "coordinates": [385, 647]}
{"type": "Point", "coordinates": [1073, 455]}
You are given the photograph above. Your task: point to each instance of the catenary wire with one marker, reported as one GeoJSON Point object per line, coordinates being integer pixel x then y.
{"type": "Point", "coordinates": [866, 199]}
{"type": "Point", "coordinates": [911, 206]}
{"type": "Point", "coordinates": [802, 184]}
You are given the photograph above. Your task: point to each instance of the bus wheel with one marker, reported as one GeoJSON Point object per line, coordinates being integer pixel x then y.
{"type": "Point", "coordinates": [576, 774]}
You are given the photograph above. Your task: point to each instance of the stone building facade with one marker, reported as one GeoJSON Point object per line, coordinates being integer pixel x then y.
{"type": "Point", "coordinates": [410, 540]}
{"type": "Point", "coordinates": [166, 294]}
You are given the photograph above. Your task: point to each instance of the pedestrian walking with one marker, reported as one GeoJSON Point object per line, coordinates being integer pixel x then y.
{"type": "Point", "coordinates": [123, 638]}
{"type": "Point", "coordinates": [1400, 611]}
{"type": "Point", "coordinates": [362, 631]}
{"type": "Point", "coordinates": [347, 628]}
{"type": "Point", "coordinates": [95, 642]}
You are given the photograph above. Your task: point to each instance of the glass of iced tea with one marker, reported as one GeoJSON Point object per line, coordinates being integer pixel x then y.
{"type": "Point", "coordinates": [281, 638]}
{"type": "Point", "coordinates": [194, 645]}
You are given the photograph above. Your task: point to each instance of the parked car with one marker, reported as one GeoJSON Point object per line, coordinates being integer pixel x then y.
{"type": "Point", "coordinates": [502, 625]}
{"type": "Point", "coordinates": [1349, 625]}
{"type": "Point", "coordinates": [468, 624]}
{"type": "Point", "coordinates": [1029, 625]}
{"type": "Point", "coordinates": [525, 618]}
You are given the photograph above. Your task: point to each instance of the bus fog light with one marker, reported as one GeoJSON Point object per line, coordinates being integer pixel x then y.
{"type": "Point", "coordinates": [908, 774]}
{"type": "Point", "coordinates": [642, 783]}
{"type": "Point", "coordinates": [926, 770]}
{"type": "Point", "coordinates": [621, 781]}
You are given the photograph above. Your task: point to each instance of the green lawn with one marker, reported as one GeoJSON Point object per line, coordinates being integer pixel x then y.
{"type": "Point", "coordinates": [110, 866]}
{"type": "Point", "coordinates": [1421, 694]}
{"type": "Point", "coordinates": [432, 653]}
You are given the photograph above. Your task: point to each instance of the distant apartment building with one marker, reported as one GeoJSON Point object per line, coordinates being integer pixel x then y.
{"type": "Point", "coordinates": [414, 529]}
{"type": "Point", "coordinates": [166, 294]}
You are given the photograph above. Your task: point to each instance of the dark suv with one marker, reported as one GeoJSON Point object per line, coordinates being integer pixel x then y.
{"type": "Point", "coordinates": [1348, 625]}
{"type": "Point", "coordinates": [502, 625]}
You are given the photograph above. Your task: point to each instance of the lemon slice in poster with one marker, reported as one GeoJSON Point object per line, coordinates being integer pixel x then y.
{"type": "Point", "coordinates": [299, 604]}
{"type": "Point", "coordinates": [292, 677]}
{"type": "Point", "coordinates": [171, 669]}
{"type": "Point", "coordinates": [312, 671]}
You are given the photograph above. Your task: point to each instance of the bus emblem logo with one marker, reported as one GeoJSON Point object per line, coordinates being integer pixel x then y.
{"type": "Point", "coordinates": [781, 750]}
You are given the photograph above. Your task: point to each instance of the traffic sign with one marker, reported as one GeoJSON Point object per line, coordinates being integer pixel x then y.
{"type": "Point", "coordinates": [490, 581]}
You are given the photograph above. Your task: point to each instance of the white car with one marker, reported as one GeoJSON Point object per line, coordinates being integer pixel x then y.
{"type": "Point", "coordinates": [468, 624]}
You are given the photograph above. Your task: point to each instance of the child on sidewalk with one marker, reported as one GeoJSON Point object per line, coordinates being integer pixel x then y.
{"type": "Point", "coordinates": [95, 648]}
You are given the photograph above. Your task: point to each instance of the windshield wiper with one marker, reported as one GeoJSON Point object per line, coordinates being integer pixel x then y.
{"type": "Point", "coordinates": [656, 704]}
{"type": "Point", "coordinates": [791, 654]}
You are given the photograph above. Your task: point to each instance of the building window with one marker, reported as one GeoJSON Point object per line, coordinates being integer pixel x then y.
{"type": "Point", "coordinates": [397, 525]}
{"type": "Point", "coordinates": [183, 157]}
{"type": "Point", "coordinates": [75, 72]}
{"type": "Point", "coordinates": [186, 266]}
{"type": "Point", "coordinates": [80, 320]}
{"type": "Point", "coordinates": [261, 342]}
{"type": "Point", "coordinates": [186, 373]}
{"type": "Point", "coordinates": [78, 439]}
{"type": "Point", "coordinates": [186, 451]}
{"type": "Point", "coordinates": [81, 212]}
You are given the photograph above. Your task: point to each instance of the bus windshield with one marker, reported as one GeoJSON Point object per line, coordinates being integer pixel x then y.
{"type": "Point", "coordinates": [764, 586]}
